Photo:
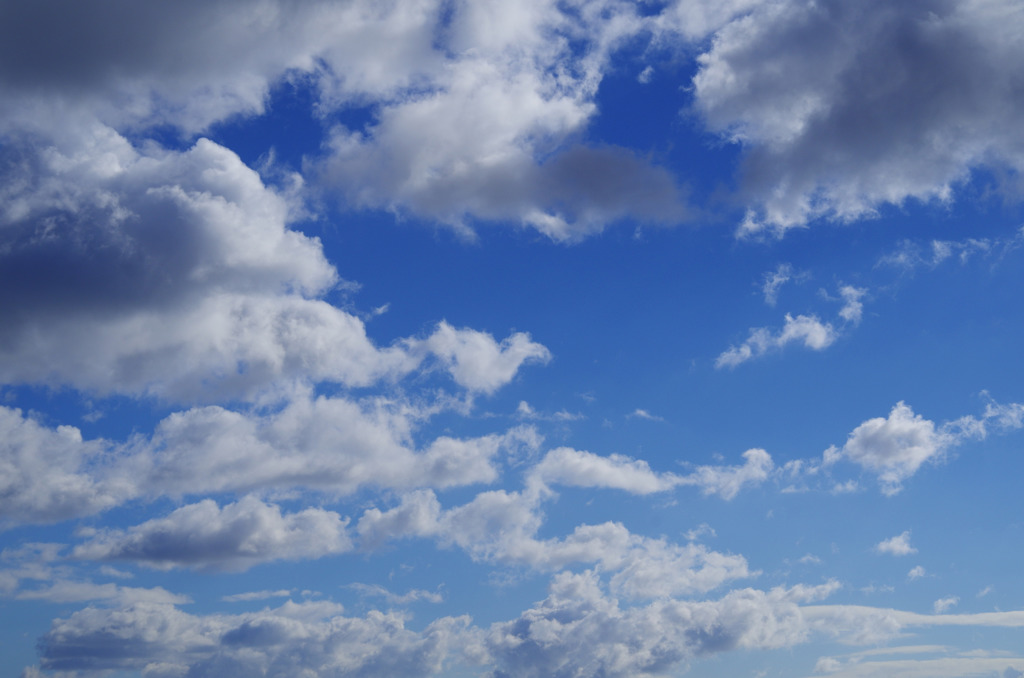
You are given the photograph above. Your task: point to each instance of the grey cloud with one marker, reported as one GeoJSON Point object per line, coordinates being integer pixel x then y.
{"type": "Point", "coordinates": [577, 192]}
{"type": "Point", "coordinates": [578, 630]}
{"type": "Point", "coordinates": [478, 116]}
{"type": "Point", "coordinates": [844, 108]}
{"type": "Point", "coordinates": [235, 537]}
{"type": "Point", "coordinates": [193, 63]}
{"type": "Point", "coordinates": [289, 640]}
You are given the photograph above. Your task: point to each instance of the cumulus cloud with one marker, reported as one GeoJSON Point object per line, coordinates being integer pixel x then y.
{"type": "Point", "coordinates": [478, 107]}
{"type": "Point", "coordinates": [897, 546]}
{"type": "Point", "coordinates": [334, 445]}
{"type": "Point", "coordinates": [501, 527]}
{"type": "Point", "coordinates": [124, 64]}
{"type": "Point", "coordinates": [727, 481]}
{"type": "Point", "coordinates": [945, 604]}
{"type": "Point", "coordinates": [895, 447]}
{"type": "Point", "coordinates": [234, 537]}
{"type": "Point", "coordinates": [328, 444]}
{"type": "Point", "coordinates": [492, 135]}
{"type": "Point", "coordinates": [51, 474]}
{"type": "Point", "coordinates": [175, 274]}
{"type": "Point", "coordinates": [312, 637]}
{"type": "Point", "coordinates": [477, 362]}
{"type": "Point", "coordinates": [578, 629]}
{"type": "Point", "coordinates": [844, 109]}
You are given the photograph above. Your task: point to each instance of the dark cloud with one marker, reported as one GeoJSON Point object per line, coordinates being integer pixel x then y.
{"type": "Point", "coordinates": [845, 107]}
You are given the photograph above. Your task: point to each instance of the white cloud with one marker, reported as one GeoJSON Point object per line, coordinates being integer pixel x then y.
{"type": "Point", "coordinates": [578, 626]}
{"type": "Point", "coordinates": [945, 604]}
{"type": "Point", "coordinates": [773, 282]}
{"type": "Point", "coordinates": [331, 445]}
{"type": "Point", "coordinates": [566, 466]}
{"type": "Point", "coordinates": [294, 639]}
{"type": "Point", "coordinates": [916, 573]}
{"type": "Point", "coordinates": [175, 274]}
{"type": "Point", "coordinates": [525, 411]}
{"type": "Point", "coordinates": [477, 362]}
{"type": "Point", "coordinates": [517, 84]}
{"type": "Point", "coordinates": [897, 546]}
{"type": "Point", "coordinates": [853, 308]}
{"type": "Point", "coordinates": [919, 661]}
{"type": "Point", "coordinates": [699, 531]}
{"type": "Point", "coordinates": [70, 591]}
{"type": "Point", "coordinates": [803, 329]}
{"type": "Point", "coordinates": [727, 481]}
{"type": "Point", "coordinates": [579, 629]}
{"type": "Point", "coordinates": [639, 413]}
{"type": "Point", "coordinates": [50, 474]}
{"type": "Point", "coordinates": [501, 527]}
{"type": "Point", "coordinates": [895, 447]}
{"type": "Point", "coordinates": [334, 445]}
{"type": "Point", "coordinates": [911, 255]}
{"type": "Point", "coordinates": [842, 110]}
{"type": "Point", "coordinates": [394, 598]}
{"type": "Point", "coordinates": [235, 537]}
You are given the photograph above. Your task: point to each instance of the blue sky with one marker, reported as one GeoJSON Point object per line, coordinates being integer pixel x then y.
{"type": "Point", "coordinates": [511, 339]}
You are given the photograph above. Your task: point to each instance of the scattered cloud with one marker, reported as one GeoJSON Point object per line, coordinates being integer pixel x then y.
{"type": "Point", "coordinates": [639, 413]}
{"type": "Point", "coordinates": [807, 330]}
{"type": "Point", "coordinates": [897, 546]}
{"type": "Point", "coordinates": [773, 282]}
{"type": "Point", "coordinates": [374, 590]}
{"type": "Point", "coordinates": [943, 605]}
{"type": "Point", "coordinates": [567, 466]}
{"type": "Point", "coordinates": [894, 448]}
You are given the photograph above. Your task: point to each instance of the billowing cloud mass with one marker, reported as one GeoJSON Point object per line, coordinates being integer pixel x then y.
{"type": "Point", "coordinates": [216, 462]}
{"type": "Point", "coordinates": [293, 639]}
{"type": "Point", "coordinates": [844, 109]}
